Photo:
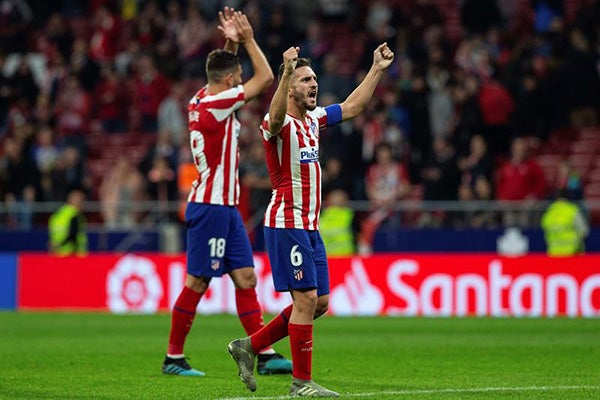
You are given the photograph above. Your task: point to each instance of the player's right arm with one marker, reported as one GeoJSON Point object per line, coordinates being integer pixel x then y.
{"type": "Point", "coordinates": [263, 76]}
{"type": "Point", "coordinates": [278, 108]}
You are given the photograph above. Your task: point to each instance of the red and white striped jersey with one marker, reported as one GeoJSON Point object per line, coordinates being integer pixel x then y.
{"type": "Point", "coordinates": [214, 132]}
{"type": "Point", "coordinates": [295, 172]}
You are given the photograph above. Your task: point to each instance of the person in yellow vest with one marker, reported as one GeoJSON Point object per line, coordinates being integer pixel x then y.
{"type": "Point", "coordinates": [565, 227]}
{"type": "Point", "coordinates": [337, 224]}
{"type": "Point", "coordinates": [67, 227]}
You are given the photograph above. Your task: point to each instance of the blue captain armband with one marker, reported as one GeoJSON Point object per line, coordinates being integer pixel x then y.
{"type": "Point", "coordinates": [334, 114]}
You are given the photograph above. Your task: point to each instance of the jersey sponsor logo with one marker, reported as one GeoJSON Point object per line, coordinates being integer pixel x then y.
{"type": "Point", "coordinates": [298, 274]}
{"type": "Point", "coordinates": [194, 116]}
{"type": "Point", "coordinates": [309, 155]}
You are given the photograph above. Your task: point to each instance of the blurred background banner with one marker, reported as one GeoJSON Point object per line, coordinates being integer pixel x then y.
{"type": "Point", "coordinates": [392, 284]}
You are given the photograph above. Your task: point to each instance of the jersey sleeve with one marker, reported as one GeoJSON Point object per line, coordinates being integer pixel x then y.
{"type": "Point", "coordinates": [328, 116]}
{"type": "Point", "coordinates": [223, 104]}
{"type": "Point", "coordinates": [264, 127]}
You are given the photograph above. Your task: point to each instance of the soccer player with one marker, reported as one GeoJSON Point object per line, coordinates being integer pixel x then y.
{"type": "Point", "coordinates": [299, 264]}
{"type": "Point", "coordinates": [217, 242]}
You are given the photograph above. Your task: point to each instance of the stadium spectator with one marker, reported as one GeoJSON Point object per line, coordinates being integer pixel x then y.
{"type": "Point", "coordinates": [330, 81]}
{"type": "Point", "coordinates": [67, 227]}
{"type": "Point", "coordinates": [315, 45]}
{"type": "Point", "coordinates": [149, 90]}
{"type": "Point", "coordinates": [69, 173]}
{"type": "Point", "coordinates": [15, 18]}
{"type": "Point", "coordinates": [43, 113]}
{"type": "Point", "coordinates": [386, 182]}
{"type": "Point", "coordinates": [441, 106]}
{"type": "Point", "coordinates": [172, 114]}
{"type": "Point", "coordinates": [565, 227]}
{"type": "Point", "coordinates": [520, 178]}
{"type": "Point", "coordinates": [476, 16]}
{"type": "Point", "coordinates": [73, 111]}
{"type": "Point", "coordinates": [478, 162]}
{"type": "Point", "coordinates": [468, 119]}
{"type": "Point", "coordinates": [22, 184]}
{"type": "Point", "coordinates": [103, 43]}
{"type": "Point", "coordinates": [58, 38]}
{"type": "Point", "coordinates": [111, 98]}
{"type": "Point", "coordinates": [164, 147]}
{"type": "Point", "coordinates": [162, 187]}
{"type": "Point", "coordinates": [23, 83]}
{"type": "Point", "coordinates": [496, 106]}
{"type": "Point", "coordinates": [530, 117]}
{"type": "Point", "coordinates": [441, 179]}
{"type": "Point", "coordinates": [45, 153]}
{"type": "Point", "coordinates": [568, 180]}
{"type": "Point", "coordinates": [334, 177]}
{"type": "Point", "coordinates": [85, 68]}
{"type": "Point", "coordinates": [480, 189]}
{"type": "Point", "coordinates": [337, 224]}
{"type": "Point", "coordinates": [120, 190]}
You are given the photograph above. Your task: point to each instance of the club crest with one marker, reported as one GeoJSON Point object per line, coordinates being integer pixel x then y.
{"type": "Point", "coordinates": [298, 274]}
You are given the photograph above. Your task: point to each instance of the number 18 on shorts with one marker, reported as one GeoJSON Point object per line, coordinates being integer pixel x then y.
{"type": "Point", "coordinates": [216, 239]}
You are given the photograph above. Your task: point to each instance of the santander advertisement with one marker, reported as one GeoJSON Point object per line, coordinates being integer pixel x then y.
{"type": "Point", "coordinates": [397, 285]}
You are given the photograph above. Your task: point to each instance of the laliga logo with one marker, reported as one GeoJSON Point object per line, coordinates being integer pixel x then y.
{"type": "Point", "coordinates": [133, 285]}
{"type": "Point", "coordinates": [357, 295]}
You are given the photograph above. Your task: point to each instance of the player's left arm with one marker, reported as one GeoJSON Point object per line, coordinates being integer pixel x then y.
{"type": "Point", "coordinates": [357, 101]}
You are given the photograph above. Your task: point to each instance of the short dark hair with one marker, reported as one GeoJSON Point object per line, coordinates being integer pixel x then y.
{"type": "Point", "coordinates": [220, 63]}
{"type": "Point", "coordinates": [302, 62]}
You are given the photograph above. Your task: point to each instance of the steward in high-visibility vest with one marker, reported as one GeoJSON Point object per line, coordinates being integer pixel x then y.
{"type": "Point", "coordinates": [336, 226]}
{"type": "Point", "coordinates": [564, 227]}
{"type": "Point", "coordinates": [67, 227]}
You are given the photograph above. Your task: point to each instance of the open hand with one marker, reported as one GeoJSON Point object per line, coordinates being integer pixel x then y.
{"type": "Point", "coordinates": [383, 56]}
{"type": "Point", "coordinates": [226, 24]}
{"type": "Point", "coordinates": [234, 25]}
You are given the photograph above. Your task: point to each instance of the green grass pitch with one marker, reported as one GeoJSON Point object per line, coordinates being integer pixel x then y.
{"type": "Point", "coordinates": [103, 356]}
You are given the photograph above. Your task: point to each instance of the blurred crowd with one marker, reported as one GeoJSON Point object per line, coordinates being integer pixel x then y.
{"type": "Point", "coordinates": [457, 117]}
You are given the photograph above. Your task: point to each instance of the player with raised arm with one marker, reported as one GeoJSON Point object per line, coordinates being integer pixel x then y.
{"type": "Point", "coordinates": [299, 264]}
{"type": "Point", "coordinates": [217, 242]}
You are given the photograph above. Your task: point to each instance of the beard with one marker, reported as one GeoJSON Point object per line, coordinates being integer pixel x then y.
{"type": "Point", "coordinates": [303, 101]}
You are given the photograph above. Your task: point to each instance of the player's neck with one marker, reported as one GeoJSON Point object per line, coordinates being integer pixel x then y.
{"type": "Point", "coordinates": [296, 111]}
{"type": "Point", "coordinates": [215, 88]}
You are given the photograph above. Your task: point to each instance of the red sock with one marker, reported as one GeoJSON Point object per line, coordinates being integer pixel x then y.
{"type": "Point", "coordinates": [182, 318]}
{"type": "Point", "coordinates": [301, 342]}
{"type": "Point", "coordinates": [273, 332]}
{"type": "Point", "coordinates": [249, 310]}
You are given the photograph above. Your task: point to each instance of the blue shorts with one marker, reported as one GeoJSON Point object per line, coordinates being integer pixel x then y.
{"type": "Point", "coordinates": [217, 242]}
{"type": "Point", "coordinates": [298, 260]}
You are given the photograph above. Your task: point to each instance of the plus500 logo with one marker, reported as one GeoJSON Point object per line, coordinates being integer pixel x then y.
{"type": "Point", "coordinates": [309, 155]}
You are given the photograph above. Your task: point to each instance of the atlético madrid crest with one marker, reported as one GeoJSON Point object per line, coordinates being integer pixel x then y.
{"type": "Point", "coordinates": [298, 274]}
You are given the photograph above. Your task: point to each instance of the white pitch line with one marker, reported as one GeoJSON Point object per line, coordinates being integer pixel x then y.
{"type": "Point", "coordinates": [434, 391]}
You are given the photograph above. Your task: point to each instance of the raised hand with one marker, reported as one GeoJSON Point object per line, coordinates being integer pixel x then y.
{"type": "Point", "coordinates": [243, 27]}
{"type": "Point", "coordinates": [227, 26]}
{"type": "Point", "coordinates": [383, 56]}
{"type": "Point", "coordinates": [290, 58]}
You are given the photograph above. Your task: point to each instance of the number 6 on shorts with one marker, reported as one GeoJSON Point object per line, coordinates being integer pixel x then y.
{"type": "Point", "coordinates": [295, 256]}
